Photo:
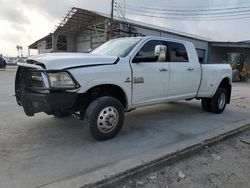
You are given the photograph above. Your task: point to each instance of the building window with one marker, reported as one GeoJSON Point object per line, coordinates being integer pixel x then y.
{"type": "Point", "coordinates": [201, 54]}
{"type": "Point", "coordinates": [61, 42]}
{"type": "Point", "coordinates": [177, 52]}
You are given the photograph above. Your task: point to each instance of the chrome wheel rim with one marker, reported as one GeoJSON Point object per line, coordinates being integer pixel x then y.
{"type": "Point", "coordinates": [222, 100]}
{"type": "Point", "coordinates": [108, 119]}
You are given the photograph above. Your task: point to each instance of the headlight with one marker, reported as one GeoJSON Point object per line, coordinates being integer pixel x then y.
{"type": "Point", "coordinates": [61, 80]}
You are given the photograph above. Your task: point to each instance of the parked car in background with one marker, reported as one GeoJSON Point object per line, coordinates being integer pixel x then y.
{"type": "Point", "coordinates": [2, 63]}
{"type": "Point", "coordinates": [15, 60]}
{"type": "Point", "coordinates": [11, 61]}
{"type": "Point", "coordinates": [21, 60]}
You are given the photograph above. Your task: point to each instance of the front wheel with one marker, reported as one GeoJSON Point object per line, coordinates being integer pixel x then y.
{"type": "Point", "coordinates": [105, 117]}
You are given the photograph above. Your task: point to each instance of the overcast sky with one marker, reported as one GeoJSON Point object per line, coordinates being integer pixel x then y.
{"type": "Point", "coordinates": [24, 21]}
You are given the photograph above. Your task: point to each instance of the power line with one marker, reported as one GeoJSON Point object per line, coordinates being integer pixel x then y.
{"type": "Point", "coordinates": [211, 14]}
{"type": "Point", "coordinates": [139, 8]}
{"type": "Point", "coordinates": [232, 14]}
{"type": "Point", "coordinates": [156, 4]}
{"type": "Point", "coordinates": [218, 19]}
{"type": "Point", "coordinates": [228, 13]}
{"type": "Point", "coordinates": [118, 12]}
{"type": "Point", "coordinates": [243, 16]}
{"type": "Point", "coordinates": [192, 14]}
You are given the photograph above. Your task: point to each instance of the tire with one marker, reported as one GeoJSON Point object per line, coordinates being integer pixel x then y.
{"type": "Point", "coordinates": [206, 104]}
{"type": "Point", "coordinates": [219, 101]}
{"type": "Point", "coordinates": [104, 117]}
{"type": "Point", "coordinates": [62, 114]}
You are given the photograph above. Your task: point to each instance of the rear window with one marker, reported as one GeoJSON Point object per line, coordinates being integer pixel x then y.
{"type": "Point", "coordinates": [177, 52]}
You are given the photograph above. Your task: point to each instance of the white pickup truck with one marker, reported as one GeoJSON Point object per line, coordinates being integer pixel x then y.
{"type": "Point", "coordinates": [117, 77]}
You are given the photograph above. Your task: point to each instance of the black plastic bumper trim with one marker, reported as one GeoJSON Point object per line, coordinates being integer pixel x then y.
{"type": "Point", "coordinates": [48, 102]}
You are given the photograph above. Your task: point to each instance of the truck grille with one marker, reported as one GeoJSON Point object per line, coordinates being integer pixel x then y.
{"type": "Point", "coordinates": [29, 78]}
{"type": "Point", "coordinates": [36, 80]}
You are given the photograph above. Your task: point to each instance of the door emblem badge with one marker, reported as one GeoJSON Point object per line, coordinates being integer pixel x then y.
{"type": "Point", "coordinates": [138, 80]}
{"type": "Point", "coordinates": [127, 80]}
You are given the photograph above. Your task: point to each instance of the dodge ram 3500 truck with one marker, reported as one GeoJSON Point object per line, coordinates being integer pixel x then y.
{"type": "Point", "coordinates": [119, 76]}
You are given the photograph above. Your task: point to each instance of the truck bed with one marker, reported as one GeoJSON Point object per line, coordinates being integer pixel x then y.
{"type": "Point", "coordinates": [212, 74]}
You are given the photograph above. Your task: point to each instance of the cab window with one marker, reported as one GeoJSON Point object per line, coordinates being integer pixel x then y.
{"type": "Point", "coordinates": [177, 52]}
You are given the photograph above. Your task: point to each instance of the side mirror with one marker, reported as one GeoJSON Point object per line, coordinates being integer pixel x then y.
{"type": "Point", "coordinates": [160, 52]}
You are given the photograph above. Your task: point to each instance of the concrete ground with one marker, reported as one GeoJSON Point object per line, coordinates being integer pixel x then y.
{"type": "Point", "coordinates": [226, 164]}
{"type": "Point", "coordinates": [43, 150]}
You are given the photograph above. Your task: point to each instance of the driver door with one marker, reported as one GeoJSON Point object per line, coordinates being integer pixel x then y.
{"type": "Point", "coordinates": [150, 76]}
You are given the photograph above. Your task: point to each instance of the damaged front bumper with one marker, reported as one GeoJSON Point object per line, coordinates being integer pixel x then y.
{"type": "Point", "coordinates": [35, 95]}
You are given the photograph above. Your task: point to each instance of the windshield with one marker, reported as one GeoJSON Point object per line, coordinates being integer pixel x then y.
{"type": "Point", "coordinates": [117, 47]}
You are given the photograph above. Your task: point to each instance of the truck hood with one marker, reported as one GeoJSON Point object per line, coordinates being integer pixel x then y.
{"type": "Point", "coordinates": [60, 61]}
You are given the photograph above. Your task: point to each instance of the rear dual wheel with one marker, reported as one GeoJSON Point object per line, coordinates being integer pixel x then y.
{"type": "Point", "coordinates": [217, 103]}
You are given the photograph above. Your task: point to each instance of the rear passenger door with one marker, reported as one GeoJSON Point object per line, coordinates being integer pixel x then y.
{"type": "Point", "coordinates": [184, 72]}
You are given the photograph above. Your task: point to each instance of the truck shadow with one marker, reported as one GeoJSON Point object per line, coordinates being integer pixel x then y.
{"type": "Point", "coordinates": [138, 119]}
{"type": "Point", "coordinates": [160, 115]}
{"type": "Point", "coordinates": [53, 132]}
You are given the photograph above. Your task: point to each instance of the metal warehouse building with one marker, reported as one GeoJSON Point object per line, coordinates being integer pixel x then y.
{"type": "Point", "coordinates": [82, 30]}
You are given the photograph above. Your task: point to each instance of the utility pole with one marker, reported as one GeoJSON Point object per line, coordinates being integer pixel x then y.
{"type": "Point", "coordinates": [124, 10]}
{"type": "Point", "coordinates": [111, 28]}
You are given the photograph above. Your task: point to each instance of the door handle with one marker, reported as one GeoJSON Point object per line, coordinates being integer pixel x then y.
{"type": "Point", "coordinates": [190, 69]}
{"type": "Point", "coordinates": [163, 70]}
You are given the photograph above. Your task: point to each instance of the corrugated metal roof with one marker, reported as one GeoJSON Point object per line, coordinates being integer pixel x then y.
{"type": "Point", "coordinates": [243, 44]}
{"type": "Point", "coordinates": [35, 44]}
{"type": "Point", "coordinates": [246, 41]}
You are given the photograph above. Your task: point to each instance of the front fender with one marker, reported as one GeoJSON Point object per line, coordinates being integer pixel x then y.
{"type": "Point", "coordinates": [118, 74]}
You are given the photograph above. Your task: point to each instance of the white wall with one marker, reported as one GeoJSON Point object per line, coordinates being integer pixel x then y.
{"type": "Point", "coordinates": [148, 32]}
{"type": "Point", "coordinates": [85, 42]}
{"type": "Point", "coordinates": [71, 43]}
